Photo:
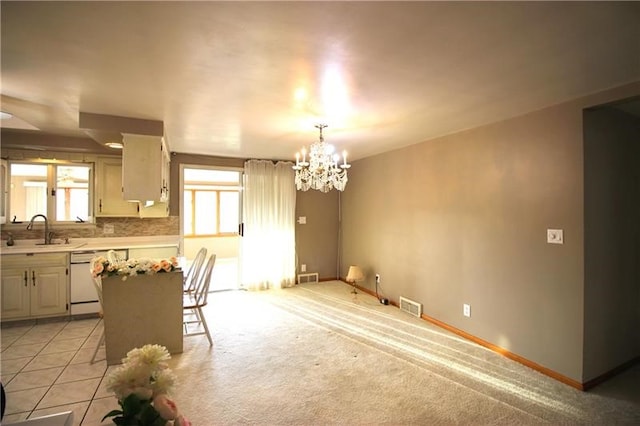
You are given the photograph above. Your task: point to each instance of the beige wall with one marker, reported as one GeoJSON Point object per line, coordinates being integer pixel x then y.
{"type": "Point", "coordinates": [612, 240]}
{"type": "Point", "coordinates": [463, 219]}
{"type": "Point", "coordinates": [317, 240]}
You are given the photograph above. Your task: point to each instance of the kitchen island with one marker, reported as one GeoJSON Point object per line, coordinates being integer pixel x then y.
{"type": "Point", "coordinates": [143, 309]}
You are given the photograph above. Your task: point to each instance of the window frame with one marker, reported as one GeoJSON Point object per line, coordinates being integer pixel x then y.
{"type": "Point", "coordinates": [51, 192]}
{"type": "Point", "coordinates": [190, 179]}
{"type": "Point", "coordinates": [215, 189]}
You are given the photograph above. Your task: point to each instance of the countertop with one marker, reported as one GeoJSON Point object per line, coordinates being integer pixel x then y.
{"type": "Point", "coordinates": [88, 244]}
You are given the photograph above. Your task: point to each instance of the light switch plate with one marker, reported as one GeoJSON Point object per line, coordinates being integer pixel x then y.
{"type": "Point", "coordinates": [466, 310]}
{"type": "Point", "coordinates": [555, 236]}
{"type": "Point", "coordinates": [108, 228]}
{"type": "Point", "coordinates": [302, 220]}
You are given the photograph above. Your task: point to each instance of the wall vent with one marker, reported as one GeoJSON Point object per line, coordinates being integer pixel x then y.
{"type": "Point", "coordinates": [308, 278]}
{"type": "Point", "coordinates": [410, 307]}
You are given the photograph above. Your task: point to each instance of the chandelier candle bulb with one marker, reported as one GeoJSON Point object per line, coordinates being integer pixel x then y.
{"type": "Point", "coordinates": [344, 156]}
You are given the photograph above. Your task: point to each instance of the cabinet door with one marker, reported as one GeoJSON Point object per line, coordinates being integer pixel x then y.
{"type": "Point", "coordinates": [166, 174]}
{"type": "Point", "coordinates": [142, 168]}
{"type": "Point", "coordinates": [15, 293]}
{"type": "Point", "coordinates": [48, 290]}
{"type": "Point", "coordinates": [109, 201]}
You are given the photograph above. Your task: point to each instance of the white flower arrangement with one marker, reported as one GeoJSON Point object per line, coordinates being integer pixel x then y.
{"type": "Point", "coordinates": [142, 385]}
{"type": "Point", "coordinates": [101, 266]}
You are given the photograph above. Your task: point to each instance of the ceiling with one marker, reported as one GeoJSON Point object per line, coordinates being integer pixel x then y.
{"type": "Point", "coordinates": [251, 79]}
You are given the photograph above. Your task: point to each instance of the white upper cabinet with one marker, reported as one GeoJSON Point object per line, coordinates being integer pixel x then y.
{"type": "Point", "coordinates": [145, 168]}
{"type": "Point", "coordinates": [109, 200]}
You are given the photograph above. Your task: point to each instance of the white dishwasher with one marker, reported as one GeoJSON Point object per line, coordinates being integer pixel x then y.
{"type": "Point", "coordinates": [84, 299]}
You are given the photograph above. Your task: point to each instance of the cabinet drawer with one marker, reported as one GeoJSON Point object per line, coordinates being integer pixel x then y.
{"type": "Point", "coordinates": [29, 259]}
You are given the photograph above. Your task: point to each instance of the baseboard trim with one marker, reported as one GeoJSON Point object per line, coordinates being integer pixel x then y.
{"type": "Point", "coordinates": [515, 357]}
{"type": "Point", "coordinates": [589, 384]}
{"type": "Point", "coordinates": [502, 351]}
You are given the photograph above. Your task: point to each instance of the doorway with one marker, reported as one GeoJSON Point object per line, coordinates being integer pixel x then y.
{"type": "Point", "coordinates": [211, 206]}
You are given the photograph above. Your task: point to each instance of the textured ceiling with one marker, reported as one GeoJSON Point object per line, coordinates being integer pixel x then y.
{"type": "Point", "coordinates": [250, 79]}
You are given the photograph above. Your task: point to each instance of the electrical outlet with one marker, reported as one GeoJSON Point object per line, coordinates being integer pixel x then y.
{"type": "Point", "coordinates": [108, 228]}
{"type": "Point", "coordinates": [466, 310]}
{"type": "Point", "coordinates": [303, 267]}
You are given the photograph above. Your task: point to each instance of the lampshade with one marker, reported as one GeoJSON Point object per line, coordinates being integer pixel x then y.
{"type": "Point", "coordinates": [355, 274]}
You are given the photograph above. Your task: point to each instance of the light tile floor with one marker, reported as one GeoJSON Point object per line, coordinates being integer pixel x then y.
{"type": "Point", "coordinates": [45, 369]}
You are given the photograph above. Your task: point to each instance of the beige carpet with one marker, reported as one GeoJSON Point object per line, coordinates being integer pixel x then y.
{"type": "Point", "coordinates": [316, 354]}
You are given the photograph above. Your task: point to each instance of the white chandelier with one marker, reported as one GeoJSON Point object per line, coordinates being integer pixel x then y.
{"type": "Point", "coordinates": [322, 171]}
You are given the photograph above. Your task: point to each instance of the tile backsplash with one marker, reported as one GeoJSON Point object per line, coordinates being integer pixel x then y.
{"type": "Point", "coordinates": [121, 227]}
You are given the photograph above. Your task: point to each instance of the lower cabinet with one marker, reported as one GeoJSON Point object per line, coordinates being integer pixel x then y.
{"type": "Point", "coordinates": [35, 286]}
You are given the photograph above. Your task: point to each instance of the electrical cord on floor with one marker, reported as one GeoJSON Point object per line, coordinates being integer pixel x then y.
{"type": "Point", "coordinates": [383, 300]}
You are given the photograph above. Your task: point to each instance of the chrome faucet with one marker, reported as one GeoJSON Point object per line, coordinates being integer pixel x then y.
{"type": "Point", "coordinates": [47, 235]}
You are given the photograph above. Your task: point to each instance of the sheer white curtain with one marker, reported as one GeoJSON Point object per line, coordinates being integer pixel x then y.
{"type": "Point", "coordinates": [269, 207]}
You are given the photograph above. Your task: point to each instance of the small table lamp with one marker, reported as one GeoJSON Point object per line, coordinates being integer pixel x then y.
{"type": "Point", "coordinates": [355, 274]}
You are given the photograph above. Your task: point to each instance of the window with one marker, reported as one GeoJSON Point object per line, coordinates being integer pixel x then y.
{"type": "Point", "coordinates": [211, 202]}
{"type": "Point", "coordinates": [72, 192]}
{"type": "Point", "coordinates": [62, 192]}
